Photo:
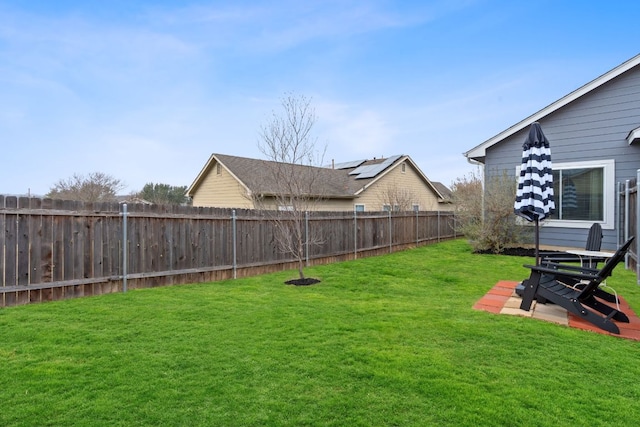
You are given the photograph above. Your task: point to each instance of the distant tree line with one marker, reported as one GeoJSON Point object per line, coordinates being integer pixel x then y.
{"type": "Point", "coordinates": [101, 187]}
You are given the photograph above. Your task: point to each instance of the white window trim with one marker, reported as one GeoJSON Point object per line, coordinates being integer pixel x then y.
{"type": "Point", "coordinates": [355, 207]}
{"type": "Point", "coordinates": [608, 222]}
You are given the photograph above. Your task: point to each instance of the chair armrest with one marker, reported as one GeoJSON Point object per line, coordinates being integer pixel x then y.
{"type": "Point", "coordinates": [564, 273]}
{"type": "Point", "coordinates": [559, 255]}
{"type": "Point", "coordinates": [570, 267]}
{"type": "Point", "coordinates": [573, 258]}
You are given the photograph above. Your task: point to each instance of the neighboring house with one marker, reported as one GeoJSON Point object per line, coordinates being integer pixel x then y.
{"type": "Point", "coordinates": [132, 199]}
{"type": "Point", "coordinates": [594, 135]}
{"type": "Point", "coordinates": [364, 185]}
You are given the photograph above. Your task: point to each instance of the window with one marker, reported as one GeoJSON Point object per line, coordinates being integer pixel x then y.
{"type": "Point", "coordinates": [218, 169]}
{"type": "Point", "coordinates": [579, 194]}
{"type": "Point", "coordinates": [416, 208]}
{"type": "Point", "coordinates": [403, 167]}
{"type": "Point", "coordinates": [584, 193]}
{"type": "Point", "coordinates": [386, 208]}
{"type": "Point", "coordinates": [358, 208]}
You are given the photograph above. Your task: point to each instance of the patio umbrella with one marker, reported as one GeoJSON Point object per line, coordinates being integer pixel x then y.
{"type": "Point", "coordinates": [534, 197]}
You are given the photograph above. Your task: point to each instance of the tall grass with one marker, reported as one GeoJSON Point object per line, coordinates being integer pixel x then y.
{"type": "Point", "coordinates": [390, 340]}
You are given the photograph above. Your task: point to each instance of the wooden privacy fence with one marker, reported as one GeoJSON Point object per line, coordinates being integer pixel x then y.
{"type": "Point", "coordinates": [54, 249]}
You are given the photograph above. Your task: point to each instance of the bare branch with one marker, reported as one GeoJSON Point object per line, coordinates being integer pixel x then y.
{"type": "Point", "coordinates": [95, 187]}
{"type": "Point", "coordinates": [294, 175]}
{"type": "Point", "coordinates": [397, 198]}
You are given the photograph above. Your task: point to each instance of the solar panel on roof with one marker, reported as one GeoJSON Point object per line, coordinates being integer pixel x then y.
{"type": "Point", "coordinates": [393, 159]}
{"type": "Point", "coordinates": [362, 169]}
{"type": "Point", "coordinates": [348, 165]}
{"type": "Point", "coordinates": [373, 170]}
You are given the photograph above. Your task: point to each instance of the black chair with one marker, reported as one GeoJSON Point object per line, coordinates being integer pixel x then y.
{"type": "Point", "coordinates": [574, 289]}
{"type": "Point", "coordinates": [594, 243]}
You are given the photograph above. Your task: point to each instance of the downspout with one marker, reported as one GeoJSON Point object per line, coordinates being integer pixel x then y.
{"type": "Point", "coordinates": [481, 166]}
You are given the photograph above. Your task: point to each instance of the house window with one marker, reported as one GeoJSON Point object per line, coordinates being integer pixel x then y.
{"type": "Point", "coordinates": [386, 208]}
{"type": "Point", "coordinates": [403, 167]}
{"type": "Point", "coordinates": [358, 208]}
{"type": "Point", "coordinates": [416, 208]}
{"type": "Point", "coordinates": [218, 169]}
{"type": "Point", "coordinates": [584, 193]}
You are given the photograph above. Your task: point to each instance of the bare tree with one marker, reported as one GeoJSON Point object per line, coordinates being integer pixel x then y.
{"type": "Point", "coordinates": [485, 215]}
{"type": "Point", "coordinates": [94, 187]}
{"type": "Point", "coordinates": [293, 185]}
{"type": "Point", "coordinates": [396, 197]}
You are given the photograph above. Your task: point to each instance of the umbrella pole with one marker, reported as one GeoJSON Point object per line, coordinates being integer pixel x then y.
{"type": "Point", "coordinates": [537, 242]}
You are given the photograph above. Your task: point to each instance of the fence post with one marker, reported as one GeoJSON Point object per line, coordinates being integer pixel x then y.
{"type": "Point", "coordinates": [417, 229]}
{"type": "Point", "coordinates": [125, 254]}
{"type": "Point", "coordinates": [438, 225]}
{"type": "Point", "coordinates": [626, 218]}
{"type": "Point", "coordinates": [355, 233]}
{"type": "Point", "coordinates": [390, 233]}
{"type": "Point", "coordinates": [234, 241]}
{"type": "Point", "coordinates": [453, 223]}
{"type": "Point", "coordinates": [306, 235]}
{"type": "Point", "coordinates": [620, 218]}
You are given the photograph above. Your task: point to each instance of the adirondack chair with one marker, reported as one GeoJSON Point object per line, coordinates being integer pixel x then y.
{"type": "Point", "coordinates": [557, 283]}
{"type": "Point", "coordinates": [594, 242]}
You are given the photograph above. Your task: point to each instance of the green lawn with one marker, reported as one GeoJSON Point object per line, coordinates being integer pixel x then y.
{"type": "Point", "coordinates": [385, 341]}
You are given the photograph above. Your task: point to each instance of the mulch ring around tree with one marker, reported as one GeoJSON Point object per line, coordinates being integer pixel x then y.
{"type": "Point", "coordinates": [307, 281]}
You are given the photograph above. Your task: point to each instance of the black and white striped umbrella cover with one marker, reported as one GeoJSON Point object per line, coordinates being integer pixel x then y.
{"type": "Point", "coordinates": [534, 197]}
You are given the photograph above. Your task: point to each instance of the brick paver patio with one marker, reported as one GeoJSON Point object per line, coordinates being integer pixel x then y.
{"type": "Point", "coordinates": [502, 299]}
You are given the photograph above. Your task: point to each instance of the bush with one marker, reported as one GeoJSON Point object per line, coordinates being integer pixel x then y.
{"type": "Point", "coordinates": [497, 228]}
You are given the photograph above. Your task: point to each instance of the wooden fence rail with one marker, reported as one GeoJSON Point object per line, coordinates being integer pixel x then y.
{"type": "Point", "coordinates": [53, 249]}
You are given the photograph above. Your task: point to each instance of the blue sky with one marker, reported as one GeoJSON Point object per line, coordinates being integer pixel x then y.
{"type": "Point", "coordinates": [145, 91]}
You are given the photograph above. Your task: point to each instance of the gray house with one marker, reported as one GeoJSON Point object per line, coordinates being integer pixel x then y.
{"type": "Point", "coordinates": [594, 133]}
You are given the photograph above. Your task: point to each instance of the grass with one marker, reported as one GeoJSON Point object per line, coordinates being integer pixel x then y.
{"type": "Point", "coordinates": [390, 341]}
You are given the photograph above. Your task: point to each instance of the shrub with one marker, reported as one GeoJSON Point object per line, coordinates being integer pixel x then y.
{"type": "Point", "coordinates": [486, 218]}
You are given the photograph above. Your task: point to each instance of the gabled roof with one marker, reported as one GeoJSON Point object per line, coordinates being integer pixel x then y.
{"type": "Point", "coordinates": [341, 180]}
{"type": "Point", "coordinates": [446, 193]}
{"type": "Point", "coordinates": [478, 153]}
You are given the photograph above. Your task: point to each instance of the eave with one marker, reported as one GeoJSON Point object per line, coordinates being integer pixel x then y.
{"type": "Point", "coordinates": [478, 153]}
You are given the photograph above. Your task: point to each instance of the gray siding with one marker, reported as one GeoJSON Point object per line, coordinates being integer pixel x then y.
{"type": "Point", "coordinates": [593, 127]}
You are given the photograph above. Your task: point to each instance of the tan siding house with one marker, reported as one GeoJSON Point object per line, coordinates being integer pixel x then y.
{"type": "Point", "coordinates": [220, 188]}
{"type": "Point", "coordinates": [407, 187]}
{"type": "Point", "coordinates": [367, 185]}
